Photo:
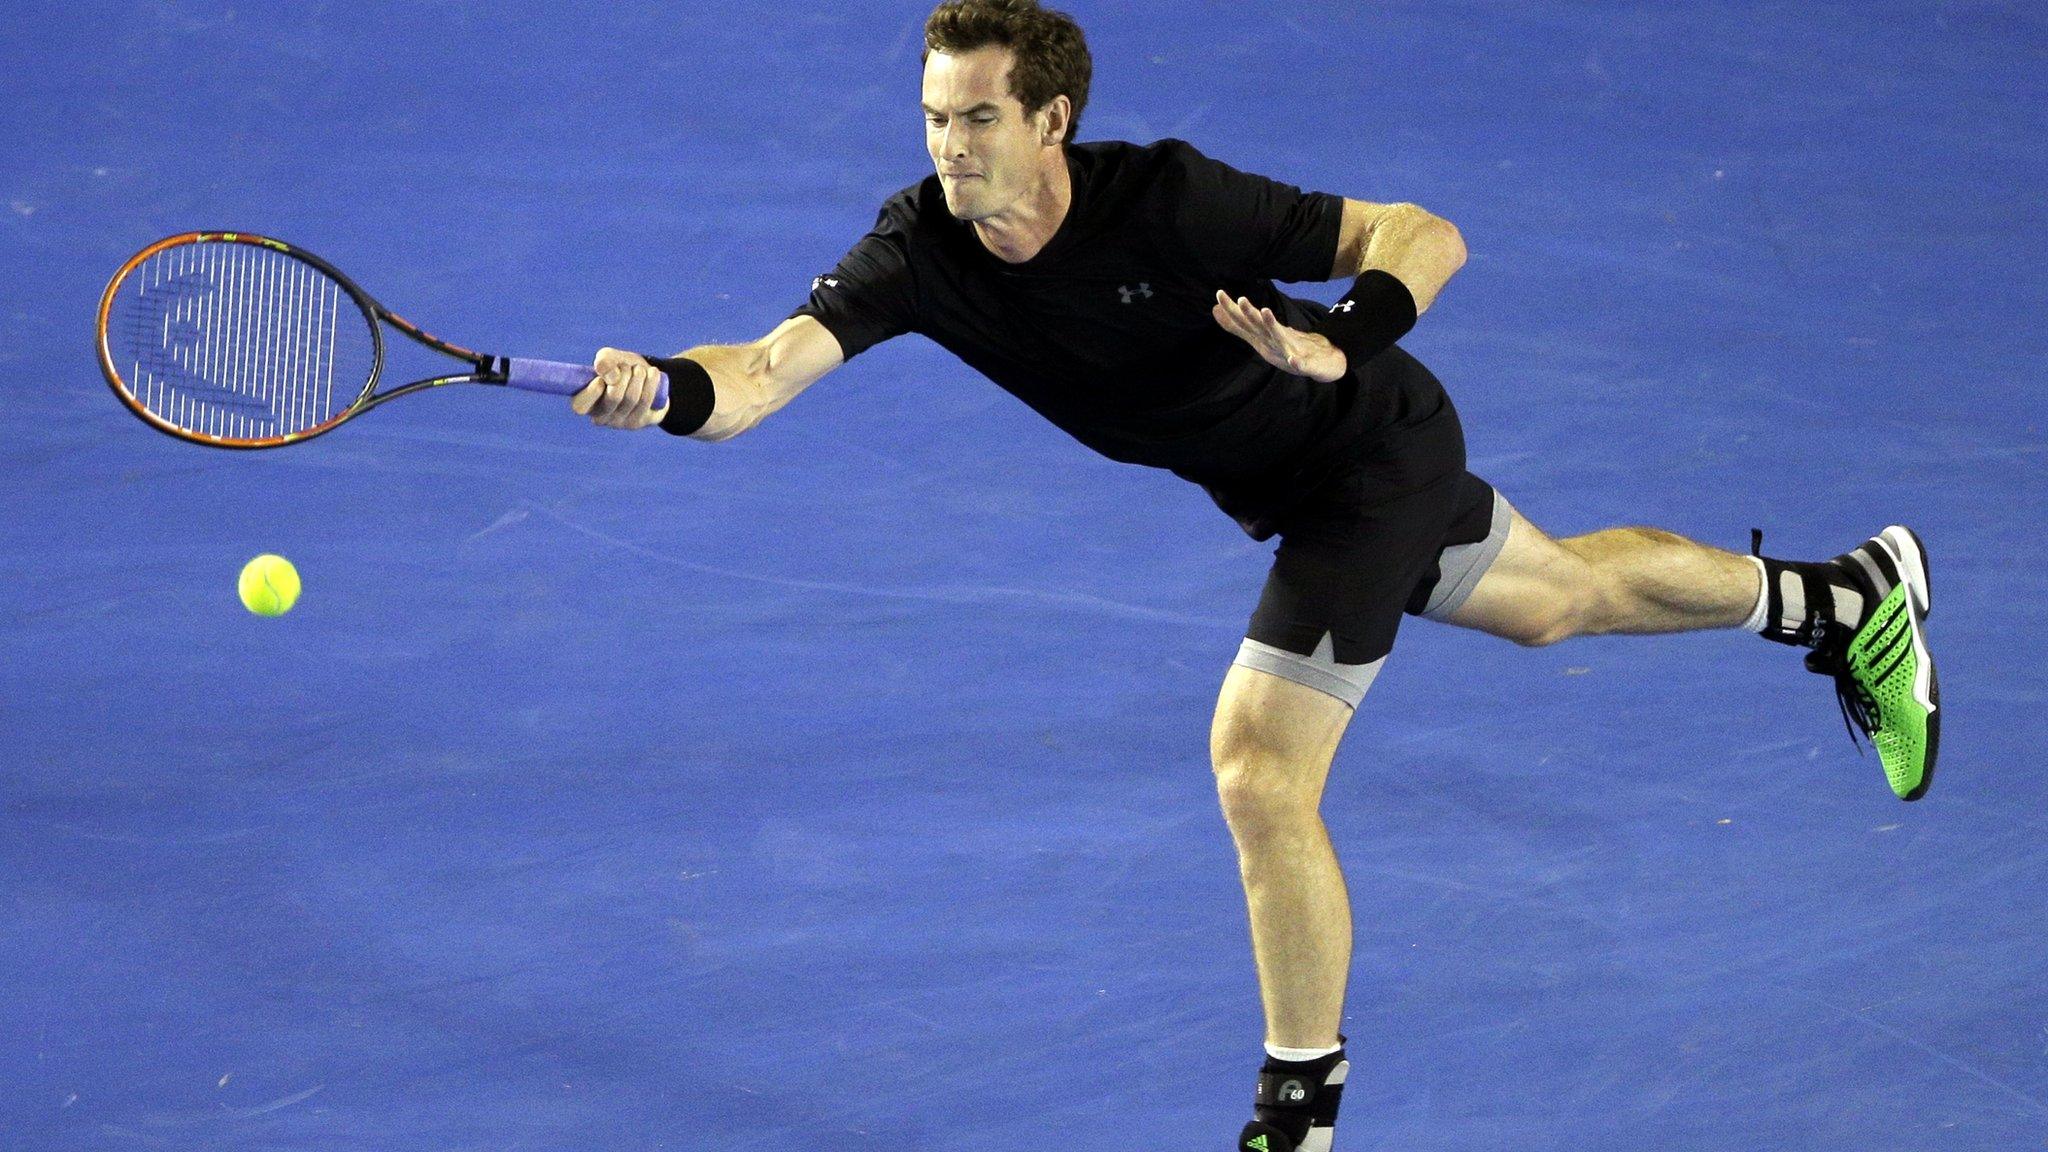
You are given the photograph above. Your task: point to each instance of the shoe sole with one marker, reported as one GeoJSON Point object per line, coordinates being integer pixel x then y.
{"type": "Point", "coordinates": [1910, 557]}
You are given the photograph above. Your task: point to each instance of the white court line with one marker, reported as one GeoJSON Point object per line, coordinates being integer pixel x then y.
{"type": "Point", "coordinates": [968, 594]}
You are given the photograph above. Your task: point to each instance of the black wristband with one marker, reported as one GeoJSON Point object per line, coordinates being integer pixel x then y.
{"type": "Point", "coordinates": [690, 394]}
{"type": "Point", "coordinates": [1377, 311]}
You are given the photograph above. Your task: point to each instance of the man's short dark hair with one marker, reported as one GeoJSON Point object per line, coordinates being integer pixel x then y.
{"type": "Point", "coordinates": [1050, 54]}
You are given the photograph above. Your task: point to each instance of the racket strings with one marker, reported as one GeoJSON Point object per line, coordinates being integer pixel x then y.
{"type": "Point", "coordinates": [239, 342]}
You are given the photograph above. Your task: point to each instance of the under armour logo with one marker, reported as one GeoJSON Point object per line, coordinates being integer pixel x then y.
{"type": "Point", "coordinates": [1143, 289]}
{"type": "Point", "coordinates": [826, 281]}
{"type": "Point", "coordinates": [1344, 307]}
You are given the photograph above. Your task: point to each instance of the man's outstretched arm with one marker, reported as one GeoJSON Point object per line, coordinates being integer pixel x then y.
{"type": "Point", "coordinates": [746, 382]}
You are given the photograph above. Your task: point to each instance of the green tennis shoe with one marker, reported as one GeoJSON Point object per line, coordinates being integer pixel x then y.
{"type": "Point", "coordinates": [1884, 675]}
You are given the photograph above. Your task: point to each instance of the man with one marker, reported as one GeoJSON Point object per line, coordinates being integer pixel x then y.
{"type": "Point", "coordinates": [1126, 293]}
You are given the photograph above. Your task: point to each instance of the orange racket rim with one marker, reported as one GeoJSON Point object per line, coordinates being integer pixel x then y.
{"type": "Point", "coordinates": [123, 390]}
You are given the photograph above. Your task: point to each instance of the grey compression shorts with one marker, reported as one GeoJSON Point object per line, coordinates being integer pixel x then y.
{"type": "Point", "coordinates": [1344, 575]}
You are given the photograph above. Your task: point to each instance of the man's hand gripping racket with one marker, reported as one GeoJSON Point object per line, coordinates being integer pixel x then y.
{"type": "Point", "coordinates": [240, 341]}
{"type": "Point", "coordinates": [627, 392]}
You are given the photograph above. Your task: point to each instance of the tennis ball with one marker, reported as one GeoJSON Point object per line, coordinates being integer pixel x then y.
{"type": "Point", "coordinates": [269, 585]}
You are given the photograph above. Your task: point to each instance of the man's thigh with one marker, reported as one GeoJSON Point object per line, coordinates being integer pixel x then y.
{"type": "Point", "coordinates": [1527, 591]}
{"type": "Point", "coordinates": [1283, 729]}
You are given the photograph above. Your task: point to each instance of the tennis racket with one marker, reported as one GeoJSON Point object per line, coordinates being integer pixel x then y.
{"type": "Point", "coordinates": [239, 341]}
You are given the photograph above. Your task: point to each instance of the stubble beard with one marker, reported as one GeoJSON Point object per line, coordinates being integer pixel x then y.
{"type": "Point", "coordinates": [963, 208]}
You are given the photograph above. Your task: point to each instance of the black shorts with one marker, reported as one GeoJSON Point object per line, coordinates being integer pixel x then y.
{"type": "Point", "coordinates": [1403, 529]}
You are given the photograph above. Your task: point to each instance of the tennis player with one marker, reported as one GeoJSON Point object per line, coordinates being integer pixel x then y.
{"type": "Point", "coordinates": [1126, 292]}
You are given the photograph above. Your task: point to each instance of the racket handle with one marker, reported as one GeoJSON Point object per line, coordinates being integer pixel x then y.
{"type": "Point", "coordinates": [559, 379]}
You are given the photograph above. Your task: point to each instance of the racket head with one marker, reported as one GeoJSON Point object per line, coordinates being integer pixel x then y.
{"type": "Point", "coordinates": [235, 340]}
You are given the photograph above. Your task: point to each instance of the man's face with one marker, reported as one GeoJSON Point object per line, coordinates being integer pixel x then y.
{"type": "Point", "coordinates": [986, 150]}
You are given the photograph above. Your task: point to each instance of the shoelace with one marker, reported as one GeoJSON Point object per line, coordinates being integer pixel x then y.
{"type": "Point", "coordinates": [1831, 659]}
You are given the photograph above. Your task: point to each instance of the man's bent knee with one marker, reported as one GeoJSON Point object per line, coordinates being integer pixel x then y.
{"type": "Point", "coordinates": [1271, 748]}
{"type": "Point", "coordinates": [1262, 795]}
{"type": "Point", "coordinates": [1566, 613]}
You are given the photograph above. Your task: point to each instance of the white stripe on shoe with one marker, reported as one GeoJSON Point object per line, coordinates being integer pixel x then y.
{"type": "Point", "coordinates": [1911, 560]}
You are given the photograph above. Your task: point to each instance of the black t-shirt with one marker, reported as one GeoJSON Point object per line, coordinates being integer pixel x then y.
{"type": "Point", "coordinates": [1107, 331]}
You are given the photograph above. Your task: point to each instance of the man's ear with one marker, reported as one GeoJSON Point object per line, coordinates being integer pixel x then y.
{"type": "Point", "coordinates": [1057, 114]}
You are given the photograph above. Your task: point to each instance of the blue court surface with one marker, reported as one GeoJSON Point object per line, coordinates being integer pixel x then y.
{"type": "Point", "coordinates": [845, 786]}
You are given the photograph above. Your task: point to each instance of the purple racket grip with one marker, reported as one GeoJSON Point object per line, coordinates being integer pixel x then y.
{"type": "Point", "coordinates": [559, 379]}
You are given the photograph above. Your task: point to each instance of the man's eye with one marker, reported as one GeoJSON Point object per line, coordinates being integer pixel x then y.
{"type": "Point", "coordinates": [984, 119]}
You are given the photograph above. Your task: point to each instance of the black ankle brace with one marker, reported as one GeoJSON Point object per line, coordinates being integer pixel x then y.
{"type": "Point", "coordinates": [1297, 1102]}
{"type": "Point", "coordinates": [1816, 586]}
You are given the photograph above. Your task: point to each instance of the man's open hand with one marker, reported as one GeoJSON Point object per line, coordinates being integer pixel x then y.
{"type": "Point", "coordinates": [1302, 353]}
{"type": "Point", "coordinates": [622, 396]}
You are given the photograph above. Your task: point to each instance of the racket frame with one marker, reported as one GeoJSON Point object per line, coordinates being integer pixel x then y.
{"type": "Point", "coordinates": [484, 369]}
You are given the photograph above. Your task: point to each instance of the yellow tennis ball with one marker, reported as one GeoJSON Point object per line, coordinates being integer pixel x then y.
{"type": "Point", "coordinates": [269, 585]}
